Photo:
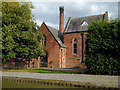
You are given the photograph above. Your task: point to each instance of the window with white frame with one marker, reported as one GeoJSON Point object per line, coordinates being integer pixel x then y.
{"type": "Point", "coordinates": [75, 46]}
{"type": "Point", "coordinates": [44, 40]}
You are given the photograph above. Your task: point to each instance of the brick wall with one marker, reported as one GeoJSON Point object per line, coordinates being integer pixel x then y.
{"type": "Point", "coordinates": [74, 60]}
{"type": "Point", "coordinates": [52, 48]}
{"type": "Point", "coordinates": [23, 63]}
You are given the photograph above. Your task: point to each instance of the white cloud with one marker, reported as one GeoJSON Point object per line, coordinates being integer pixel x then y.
{"type": "Point", "coordinates": [49, 12]}
{"type": "Point", "coordinates": [94, 8]}
{"type": "Point", "coordinates": [70, 0]}
{"type": "Point", "coordinates": [61, 0]}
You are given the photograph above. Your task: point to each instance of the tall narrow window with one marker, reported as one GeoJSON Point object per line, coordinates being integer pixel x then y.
{"type": "Point", "coordinates": [44, 41]}
{"type": "Point", "coordinates": [63, 54]}
{"type": "Point", "coordinates": [75, 47]}
{"type": "Point", "coordinates": [82, 47]}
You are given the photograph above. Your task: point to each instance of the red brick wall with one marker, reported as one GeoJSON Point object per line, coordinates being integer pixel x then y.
{"type": "Point", "coordinates": [52, 47]}
{"type": "Point", "coordinates": [72, 60]}
{"type": "Point", "coordinates": [23, 63]}
{"type": "Point", "coordinates": [35, 62]}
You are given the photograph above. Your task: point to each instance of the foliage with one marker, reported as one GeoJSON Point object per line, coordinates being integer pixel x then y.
{"type": "Point", "coordinates": [19, 31]}
{"type": "Point", "coordinates": [103, 47]}
{"type": "Point", "coordinates": [0, 30]}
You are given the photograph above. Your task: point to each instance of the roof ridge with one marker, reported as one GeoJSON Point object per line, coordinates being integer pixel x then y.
{"type": "Point", "coordinates": [52, 27]}
{"type": "Point", "coordinates": [87, 16]}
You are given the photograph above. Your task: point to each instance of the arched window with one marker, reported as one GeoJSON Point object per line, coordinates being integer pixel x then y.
{"type": "Point", "coordinates": [75, 46]}
{"type": "Point", "coordinates": [44, 40]}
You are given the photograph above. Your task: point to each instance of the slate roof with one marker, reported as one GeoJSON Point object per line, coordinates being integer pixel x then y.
{"type": "Point", "coordinates": [57, 35]}
{"type": "Point", "coordinates": [74, 25]}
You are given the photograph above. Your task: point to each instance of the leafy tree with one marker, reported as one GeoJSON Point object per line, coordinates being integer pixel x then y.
{"type": "Point", "coordinates": [103, 47]}
{"type": "Point", "coordinates": [0, 32]}
{"type": "Point", "coordinates": [19, 31]}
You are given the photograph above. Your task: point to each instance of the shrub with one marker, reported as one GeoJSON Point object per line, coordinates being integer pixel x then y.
{"type": "Point", "coordinates": [103, 47]}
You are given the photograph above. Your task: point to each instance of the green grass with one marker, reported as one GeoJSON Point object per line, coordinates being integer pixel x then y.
{"type": "Point", "coordinates": [37, 70]}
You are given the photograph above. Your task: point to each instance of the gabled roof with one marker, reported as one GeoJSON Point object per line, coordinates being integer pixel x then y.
{"type": "Point", "coordinates": [75, 24]}
{"type": "Point", "coordinates": [56, 34]}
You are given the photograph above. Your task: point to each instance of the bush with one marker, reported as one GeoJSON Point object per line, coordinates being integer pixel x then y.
{"type": "Point", "coordinates": [103, 47]}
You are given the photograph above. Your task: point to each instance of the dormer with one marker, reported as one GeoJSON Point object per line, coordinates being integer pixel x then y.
{"type": "Point", "coordinates": [84, 23]}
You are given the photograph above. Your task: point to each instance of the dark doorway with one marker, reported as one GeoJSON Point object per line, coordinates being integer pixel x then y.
{"type": "Point", "coordinates": [43, 61]}
{"type": "Point", "coordinates": [18, 61]}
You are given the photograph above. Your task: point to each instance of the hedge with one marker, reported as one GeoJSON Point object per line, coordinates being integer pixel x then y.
{"type": "Point", "coordinates": [103, 47]}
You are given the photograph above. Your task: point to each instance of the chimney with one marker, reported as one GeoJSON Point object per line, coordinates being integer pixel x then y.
{"type": "Point", "coordinates": [106, 16]}
{"type": "Point", "coordinates": [61, 24]}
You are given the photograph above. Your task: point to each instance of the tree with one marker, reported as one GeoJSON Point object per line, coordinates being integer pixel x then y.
{"type": "Point", "coordinates": [0, 32]}
{"type": "Point", "coordinates": [19, 31]}
{"type": "Point", "coordinates": [103, 47]}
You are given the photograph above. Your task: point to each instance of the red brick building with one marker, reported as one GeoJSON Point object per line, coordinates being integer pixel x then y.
{"type": "Point", "coordinates": [65, 48]}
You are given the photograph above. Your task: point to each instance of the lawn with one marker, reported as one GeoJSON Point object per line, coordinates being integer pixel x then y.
{"type": "Point", "coordinates": [37, 70]}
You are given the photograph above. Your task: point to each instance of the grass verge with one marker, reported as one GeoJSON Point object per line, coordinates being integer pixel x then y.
{"type": "Point", "coordinates": [38, 70]}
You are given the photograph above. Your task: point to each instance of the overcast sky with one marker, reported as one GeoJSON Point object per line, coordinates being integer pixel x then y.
{"type": "Point", "coordinates": [49, 11]}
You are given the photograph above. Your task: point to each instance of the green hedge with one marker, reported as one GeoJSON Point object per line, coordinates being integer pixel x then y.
{"type": "Point", "coordinates": [103, 48]}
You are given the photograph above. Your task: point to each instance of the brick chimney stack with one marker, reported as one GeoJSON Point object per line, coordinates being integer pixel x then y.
{"type": "Point", "coordinates": [106, 16]}
{"type": "Point", "coordinates": [61, 24]}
